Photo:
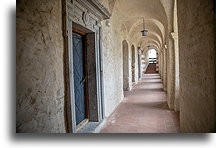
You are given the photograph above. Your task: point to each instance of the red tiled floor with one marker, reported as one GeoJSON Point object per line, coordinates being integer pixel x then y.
{"type": "Point", "coordinates": [151, 69]}
{"type": "Point", "coordinates": [143, 110]}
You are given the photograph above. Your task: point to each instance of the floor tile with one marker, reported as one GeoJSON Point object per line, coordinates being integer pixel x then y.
{"type": "Point", "coordinates": [143, 110]}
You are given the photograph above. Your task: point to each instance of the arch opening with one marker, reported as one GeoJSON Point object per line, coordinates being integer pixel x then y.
{"type": "Point", "coordinates": [152, 56]}
{"type": "Point", "coordinates": [152, 61]}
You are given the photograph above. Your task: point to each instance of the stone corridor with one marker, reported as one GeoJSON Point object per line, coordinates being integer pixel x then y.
{"type": "Point", "coordinates": [143, 110]}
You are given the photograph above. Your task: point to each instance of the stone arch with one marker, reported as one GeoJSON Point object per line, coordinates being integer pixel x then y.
{"type": "Point", "coordinates": [125, 53]}
{"type": "Point", "coordinates": [133, 63]}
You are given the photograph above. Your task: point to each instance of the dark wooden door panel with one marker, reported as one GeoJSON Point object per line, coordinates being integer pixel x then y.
{"type": "Point", "coordinates": [79, 77]}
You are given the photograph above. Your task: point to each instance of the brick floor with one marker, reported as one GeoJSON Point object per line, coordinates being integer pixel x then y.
{"type": "Point", "coordinates": [151, 69]}
{"type": "Point", "coordinates": [143, 110]}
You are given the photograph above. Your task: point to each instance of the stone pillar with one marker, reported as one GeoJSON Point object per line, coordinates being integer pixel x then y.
{"type": "Point", "coordinates": [176, 52]}
{"type": "Point", "coordinates": [165, 69]}
{"type": "Point", "coordinates": [159, 63]}
{"type": "Point", "coordinates": [140, 63]}
{"type": "Point", "coordinates": [162, 62]}
{"type": "Point", "coordinates": [171, 74]}
{"type": "Point", "coordinates": [177, 86]}
{"type": "Point", "coordinates": [143, 64]}
{"type": "Point", "coordinates": [136, 64]}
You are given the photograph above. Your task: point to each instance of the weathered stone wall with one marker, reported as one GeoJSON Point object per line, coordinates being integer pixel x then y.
{"type": "Point", "coordinates": [197, 65]}
{"type": "Point", "coordinates": [39, 72]}
{"type": "Point", "coordinates": [113, 61]}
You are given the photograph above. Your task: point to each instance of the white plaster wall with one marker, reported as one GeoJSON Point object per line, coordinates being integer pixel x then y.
{"type": "Point", "coordinates": [113, 62]}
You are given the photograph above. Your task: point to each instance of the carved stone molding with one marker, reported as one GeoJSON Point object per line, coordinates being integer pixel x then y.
{"type": "Point", "coordinates": [86, 17]}
{"type": "Point", "coordinates": [104, 13]}
{"type": "Point", "coordinates": [87, 13]}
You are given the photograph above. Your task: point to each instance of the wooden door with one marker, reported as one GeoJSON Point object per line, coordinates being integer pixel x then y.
{"type": "Point", "coordinates": [79, 78]}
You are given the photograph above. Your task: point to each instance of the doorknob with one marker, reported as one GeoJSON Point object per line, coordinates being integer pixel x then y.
{"type": "Point", "coordinates": [83, 80]}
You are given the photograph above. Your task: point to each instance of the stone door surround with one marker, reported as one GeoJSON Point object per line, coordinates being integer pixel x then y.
{"type": "Point", "coordinates": [86, 16]}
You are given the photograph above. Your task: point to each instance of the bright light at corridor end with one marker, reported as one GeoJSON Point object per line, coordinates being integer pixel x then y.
{"type": "Point", "coordinates": [152, 53]}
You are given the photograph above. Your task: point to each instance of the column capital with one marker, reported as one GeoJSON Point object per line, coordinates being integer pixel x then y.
{"type": "Point", "coordinates": [165, 47]}
{"type": "Point", "coordinates": [174, 35]}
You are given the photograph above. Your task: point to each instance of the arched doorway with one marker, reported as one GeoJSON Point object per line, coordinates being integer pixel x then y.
{"type": "Point", "coordinates": [152, 56]}
{"type": "Point", "coordinates": [152, 61]}
{"type": "Point", "coordinates": [133, 64]}
{"type": "Point", "coordinates": [125, 65]}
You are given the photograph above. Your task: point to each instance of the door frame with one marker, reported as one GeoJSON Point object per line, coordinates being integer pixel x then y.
{"type": "Point", "coordinates": [85, 16]}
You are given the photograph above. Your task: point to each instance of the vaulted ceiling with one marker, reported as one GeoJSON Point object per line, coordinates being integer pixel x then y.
{"type": "Point", "coordinates": [132, 13]}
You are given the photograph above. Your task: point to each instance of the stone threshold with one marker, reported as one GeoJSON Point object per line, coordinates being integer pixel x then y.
{"type": "Point", "coordinates": [92, 127]}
